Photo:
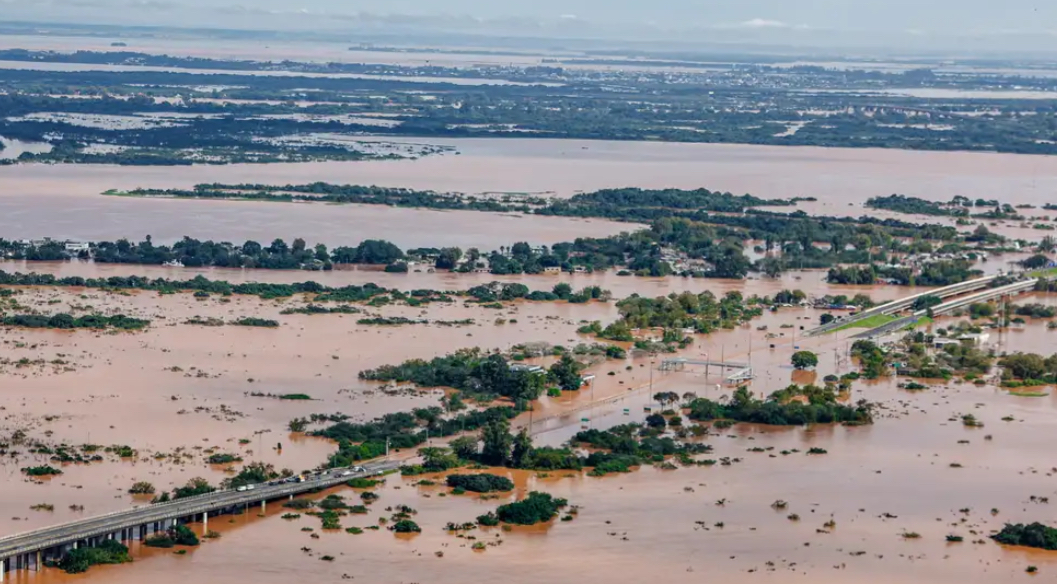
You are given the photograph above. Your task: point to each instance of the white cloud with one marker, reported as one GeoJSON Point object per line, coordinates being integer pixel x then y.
{"type": "Point", "coordinates": [764, 23]}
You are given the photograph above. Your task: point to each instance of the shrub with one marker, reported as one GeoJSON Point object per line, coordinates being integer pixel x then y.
{"type": "Point", "coordinates": [536, 508]}
{"type": "Point", "coordinates": [804, 360]}
{"type": "Point", "coordinates": [161, 540]}
{"type": "Point", "coordinates": [332, 502]}
{"type": "Point", "coordinates": [183, 535]}
{"type": "Point", "coordinates": [79, 560]}
{"type": "Point", "coordinates": [406, 526]}
{"type": "Point", "coordinates": [481, 483]}
{"type": "Point", "coordinates": [1034, 535]}
{"type": "Point", "coordinates": [41, 471]}
{"type": "Point", "coordinates": [141, 488]}
{"type": "Point", "coordinates": [362, 483]}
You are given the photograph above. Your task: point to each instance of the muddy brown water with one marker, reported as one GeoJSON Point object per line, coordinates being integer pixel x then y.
{"type": "Point", "coordinates": [630, 527]}
{"type": "Point", "coordinates": [54, 199]}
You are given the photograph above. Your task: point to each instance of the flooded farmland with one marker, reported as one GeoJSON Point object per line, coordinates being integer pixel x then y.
{"type": "Point", "coordinates": [876, 482]}
{"type": "Point", "coordinates": [913, 497]}
{"type": "Point", "coordinates": [53, 199]}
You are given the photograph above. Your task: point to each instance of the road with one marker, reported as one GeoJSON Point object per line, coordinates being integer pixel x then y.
{"type": "Point", "coordinates": [951, 306]}
{"type": "Point", "coordinates": [113, 523]}
{"type": "Point", "coordinates": [903, 304]}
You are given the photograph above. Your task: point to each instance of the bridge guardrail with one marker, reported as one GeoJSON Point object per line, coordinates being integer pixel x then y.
{"type": "Point", "coordinates": [53, 536]}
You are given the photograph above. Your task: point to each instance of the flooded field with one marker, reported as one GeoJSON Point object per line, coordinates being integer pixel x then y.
{"type": "Point", "coordinates": [274, 49]}
{"type": "Point", "coordinates": [180, 385]}
{"type": "Point", "coordinates": [876, 508]}
{"type": "Point", "coordinates": [53, 199]}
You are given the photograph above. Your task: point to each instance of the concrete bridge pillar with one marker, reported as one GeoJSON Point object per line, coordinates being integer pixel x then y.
{"type": "Point", "coordinates": [263, 506]}
{"type": "Point", "coordinates": [3, 568]}
{"type": "Point", "coordinates": [205, 521]}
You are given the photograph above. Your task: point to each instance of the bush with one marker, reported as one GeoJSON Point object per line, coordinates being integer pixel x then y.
{"type": "Point", "coordinates": [1035, 535]}
{"type": "Point", "coordinates": [79, 560]}
{"type": "Point", "coordinates": [488, 520]}
{"type": "Point", "coordinates": [41, 471]}
{"type": "Point", "coordinates": [536, 508]}
{"type": "Point", "coordinates": [161, 540]}
{"type": "Point", "coordinates": [406, 526]}
{"type": "Point", "coordinates": [362, 483]}
{"type": "Point", "coordinates": [254, 321]}
{"type": "Point", "coordinates": [481, 483]}
{"type": "Point", "coordinates": [332, 502]}
{"type": "Point", "coordinates": [183, 535]}
{"type": "Point", "coordinates": [194, 487]}
{"type": "Point", "coordinates": [141, 488]}
{"type": "Point", "coordinates": [804, 360]}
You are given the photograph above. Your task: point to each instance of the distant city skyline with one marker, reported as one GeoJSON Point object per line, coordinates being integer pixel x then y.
{"type": "Point", "coordinates": [961, 25]}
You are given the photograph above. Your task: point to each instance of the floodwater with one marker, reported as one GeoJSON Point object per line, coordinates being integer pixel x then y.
{"type": "Point", "coordinates": [812, 282]}
{"type": "Point", "coordinates": [168, 220]}
{"type": "Point", "coordinates": [648, 524]}
{"type": "Point", "coordinates": [273, 50]}
{"type": "Point", "coordinates": [14, 148]}
{"type": "Point", "coordinates": [80, 67]}
{"type": "Point", "coordinates": [53, 200]}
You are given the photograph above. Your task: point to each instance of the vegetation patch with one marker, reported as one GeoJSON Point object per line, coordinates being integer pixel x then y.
{"type": "Point", "coordinates": [107, 552]}
{"type": "Point", "coordinates": [1035, 535]}
{"type": "Point", "coordinates": [481, 483]}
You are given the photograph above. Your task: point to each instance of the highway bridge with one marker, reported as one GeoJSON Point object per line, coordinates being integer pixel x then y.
{"type": "Point", "coordinates": [31, 549]}
{"type": "Point", "coordinates": [905, 303]}
{"type": "Point", "coordinates": [950, 306]}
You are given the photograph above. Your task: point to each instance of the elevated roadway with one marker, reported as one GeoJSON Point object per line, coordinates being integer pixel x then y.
{"type": "Point", "coordinates": [905, 303]}
{"type": "Point", "coordinates": [950, 306]}
{"type": "Point", "coordinates": [28, 550]}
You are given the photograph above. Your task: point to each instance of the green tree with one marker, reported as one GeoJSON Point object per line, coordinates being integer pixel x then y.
{"type": "Point", "coordinates": [926, 302]}
{"type": "Point", "coordinates": [567, 373]}
{"type": "Point", "coordinates": [465, 447]}
{"type": "Point", "coordinates": [656, 421]}
{"type": "Point", "coordinates": [804, 359]}
{"type": "Point", "coordinates": [438, 459]}
{"type": "Point", "coordinates": [195, 486]}
{"type": "Point", "coordinates": [827, 318]}
{"type": "Point", "coordinates": [497, 443]}
{"type": "Point", "coordinates": [521, 456]}
{"type": "Point", "coordinates": [448, 258]}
